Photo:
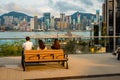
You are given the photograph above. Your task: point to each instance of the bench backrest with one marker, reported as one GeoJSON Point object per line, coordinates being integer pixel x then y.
{"type": "Point", "coordinates": [34, 55]}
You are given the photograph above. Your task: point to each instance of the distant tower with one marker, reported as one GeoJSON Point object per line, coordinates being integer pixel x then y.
{"type": "Point", "coordinates": [62, 17]}
{"type": "Point", "coordinates": [97, 16]}
{"type": "Point", "coordinates": [78, 22]}
{"type": "Point", "coordinates": [0, 23]}
{"type": "Point", "coordinates": [70, 22]}
{"type": "Point", "coordinates": [84, 22]}
{"type": "Point", "coordinates": [46, 19]}
{"type": "Point", "coordinates": [74, 23]}
{"type": "Point", "coordinates": [52, 22]}
{"type": "Point", "coordinates": [24, 25]}
{"type": "Point", "coordinates": [32, 23]}
{"type": "Point", "coordinates": [35, 22]}
{"type": "Point", "coordinates": [62, 20]}
{"type": "Point", "coordinates": [67, 22]}
{"type": "Point", "coordinates": [78, 18]}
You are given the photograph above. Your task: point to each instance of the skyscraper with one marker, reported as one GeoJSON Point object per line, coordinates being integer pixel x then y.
{"type": "Point", "coordinates": [78, 18]}
{"type": "Point", "coordinates": [78, 22]}
{"type": "Point", "coordinates": [0, 22]}
{"type": "Point", "coordinates": [52, 23]}
{"type": "Point", "coordinates": [62, 21]}
{"type": "Point", "coordinates": [46, 19]}
{"type": "Point", "coordinates": [32, 23]}
{"type": "Point", "coordinates": [35, 22]}
{"type": "Point", "coordinates": [112, 19]}
{"type": "Point", "coordinates": [62, 17]}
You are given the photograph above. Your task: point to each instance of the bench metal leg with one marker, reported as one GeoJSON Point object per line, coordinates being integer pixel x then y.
{"type": "Point", "coordinates": [65, 64]}
{"type": "Point", "coordinates": [22, 62]}
{"type": "Point", "coordinates": [118, 57]}
{"type": "Point", "coordinates": [23, 65]}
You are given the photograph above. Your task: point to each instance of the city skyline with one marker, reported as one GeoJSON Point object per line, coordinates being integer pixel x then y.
{"type": "Point", "coordinates": [55, 7]}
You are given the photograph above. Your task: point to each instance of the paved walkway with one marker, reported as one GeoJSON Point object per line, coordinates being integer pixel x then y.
{"type": "Point", "coordinates": [80, 65]}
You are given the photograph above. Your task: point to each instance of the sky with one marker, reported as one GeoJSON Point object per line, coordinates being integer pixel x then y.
{"type": "Point", "coordinates": [55, 7]}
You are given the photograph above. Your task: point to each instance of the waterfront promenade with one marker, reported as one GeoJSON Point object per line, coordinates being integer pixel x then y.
{"type": "Point", "coordinates": [81, 67]}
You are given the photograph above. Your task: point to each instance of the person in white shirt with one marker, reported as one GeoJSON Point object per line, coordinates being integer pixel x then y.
{"type": "Point", "coordinates": [41, 45]}
{"type": "Point", "coordinates": [27, 45]}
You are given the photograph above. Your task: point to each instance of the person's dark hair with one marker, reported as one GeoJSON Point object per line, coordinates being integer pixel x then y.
{"type": "Point", "coordinates": [56, 44]}
{"type": "Point", "coordinates": [27, 38]}
{"type": "Point", "coordinates": [41, 44]}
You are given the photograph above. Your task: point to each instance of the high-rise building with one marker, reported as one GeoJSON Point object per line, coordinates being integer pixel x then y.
{"type": "Point", "coordinates": [112, 20]}
{"type": "Point", "coordinates": [78, 22]}
{"type": "Point", "coordinates": [47, 22]}
{"type": "Point", "coordinates": [52, 23]}
{"type": "Point", "coordinates": [8, 20]}
{"type": "Point", "coordinates": [35, 22]}
{"type": "Point", "coordinates": [32, 23]}
{"type": "Point", "coordinates": [16, 21]}
{"type": "Point", "coordinates": [84, 22]}
{"type": "Point", "coordinates": [62, 17]}
{"type": "Point", "coordinates": [46, 19]}
{"type": "Point", "coordinates": [24, 25]}
{"type": "Point", "coordinates": [103, 12]}
{"type": "Point", "coordinates": [78, 18]}
{"type": "Point", "coordinates": [67, 19]}
{"type": "Point", "coordinates": [68, 22]}
{"type": "Point", "coordinates": [74, 24]}
{"type": "Point", "coordinates": [46, 16]}
{"type": "Point", "coordinates": [62, 21]}
{"type": "Point", "coordinates": [109, 23]}
{"type": "Point", "coordinates": [0, 22]}
{"type": "Point", "coordinates": [57, 23]}
{"type": "Point", "coordinates": [97, 17]}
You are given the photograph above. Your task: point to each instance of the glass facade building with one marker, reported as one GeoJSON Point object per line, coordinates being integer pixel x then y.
{"type": "Point", "coordinates": [112, 20]}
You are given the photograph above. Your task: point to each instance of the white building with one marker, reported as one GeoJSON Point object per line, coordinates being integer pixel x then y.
{"type": "Point", "coordinates": [52, 23]}
{"type": "Point", "coordinates": [32, 23]}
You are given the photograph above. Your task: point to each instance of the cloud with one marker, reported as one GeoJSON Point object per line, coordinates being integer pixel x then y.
{"type": "Point", "coordinates": [64, 6]}
{"type": "Point", "coordinates": [12, 6]}
{"type": "Point", "coordinates": [55, 7]}
{"type": "Point", "coordinates": [87, 2]}
{"type": "Point", "coordinates": [16, 7]}
{"type": "Point", "coordinates": [100, 0]}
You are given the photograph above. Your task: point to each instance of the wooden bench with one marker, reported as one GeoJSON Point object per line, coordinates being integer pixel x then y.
{"type": "Point", "coordinates": [39, 56]}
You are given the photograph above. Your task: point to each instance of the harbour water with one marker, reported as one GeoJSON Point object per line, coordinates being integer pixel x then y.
{"type": "Point", "coordinates": [24, 34]}
{"type": "Point", "coordinates": [11, 36]}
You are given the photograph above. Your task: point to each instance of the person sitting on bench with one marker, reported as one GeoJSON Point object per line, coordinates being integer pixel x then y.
{"type": "Point", "coordinates": [41, 45]}
{"type": "Point", "coordinates": [28, 45]}
{"type": "Point", "coordinates": [56, 44]}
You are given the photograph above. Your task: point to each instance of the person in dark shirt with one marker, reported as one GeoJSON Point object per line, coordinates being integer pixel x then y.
{"type": "Point", "coordinates": [118, 52]}
{"type": "Point", "coordinates": [56, 44]}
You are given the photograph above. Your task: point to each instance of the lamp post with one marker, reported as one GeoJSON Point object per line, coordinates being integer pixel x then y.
{"type": "Point", "coordinates": [114, 22]}
{"type": "Point", "coordinates": [92, 29]}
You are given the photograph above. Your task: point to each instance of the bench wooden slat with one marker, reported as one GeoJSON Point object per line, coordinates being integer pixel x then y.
{"type": "Point", "coordinates": [47, 60]}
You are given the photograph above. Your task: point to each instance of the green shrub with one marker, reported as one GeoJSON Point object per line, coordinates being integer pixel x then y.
{"type": "Point", "coordinates": [11, 49]}
{"type": "Point", "coordinates": [72, 46]}
{"type": "Point", "coordinates": [69, 47]}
